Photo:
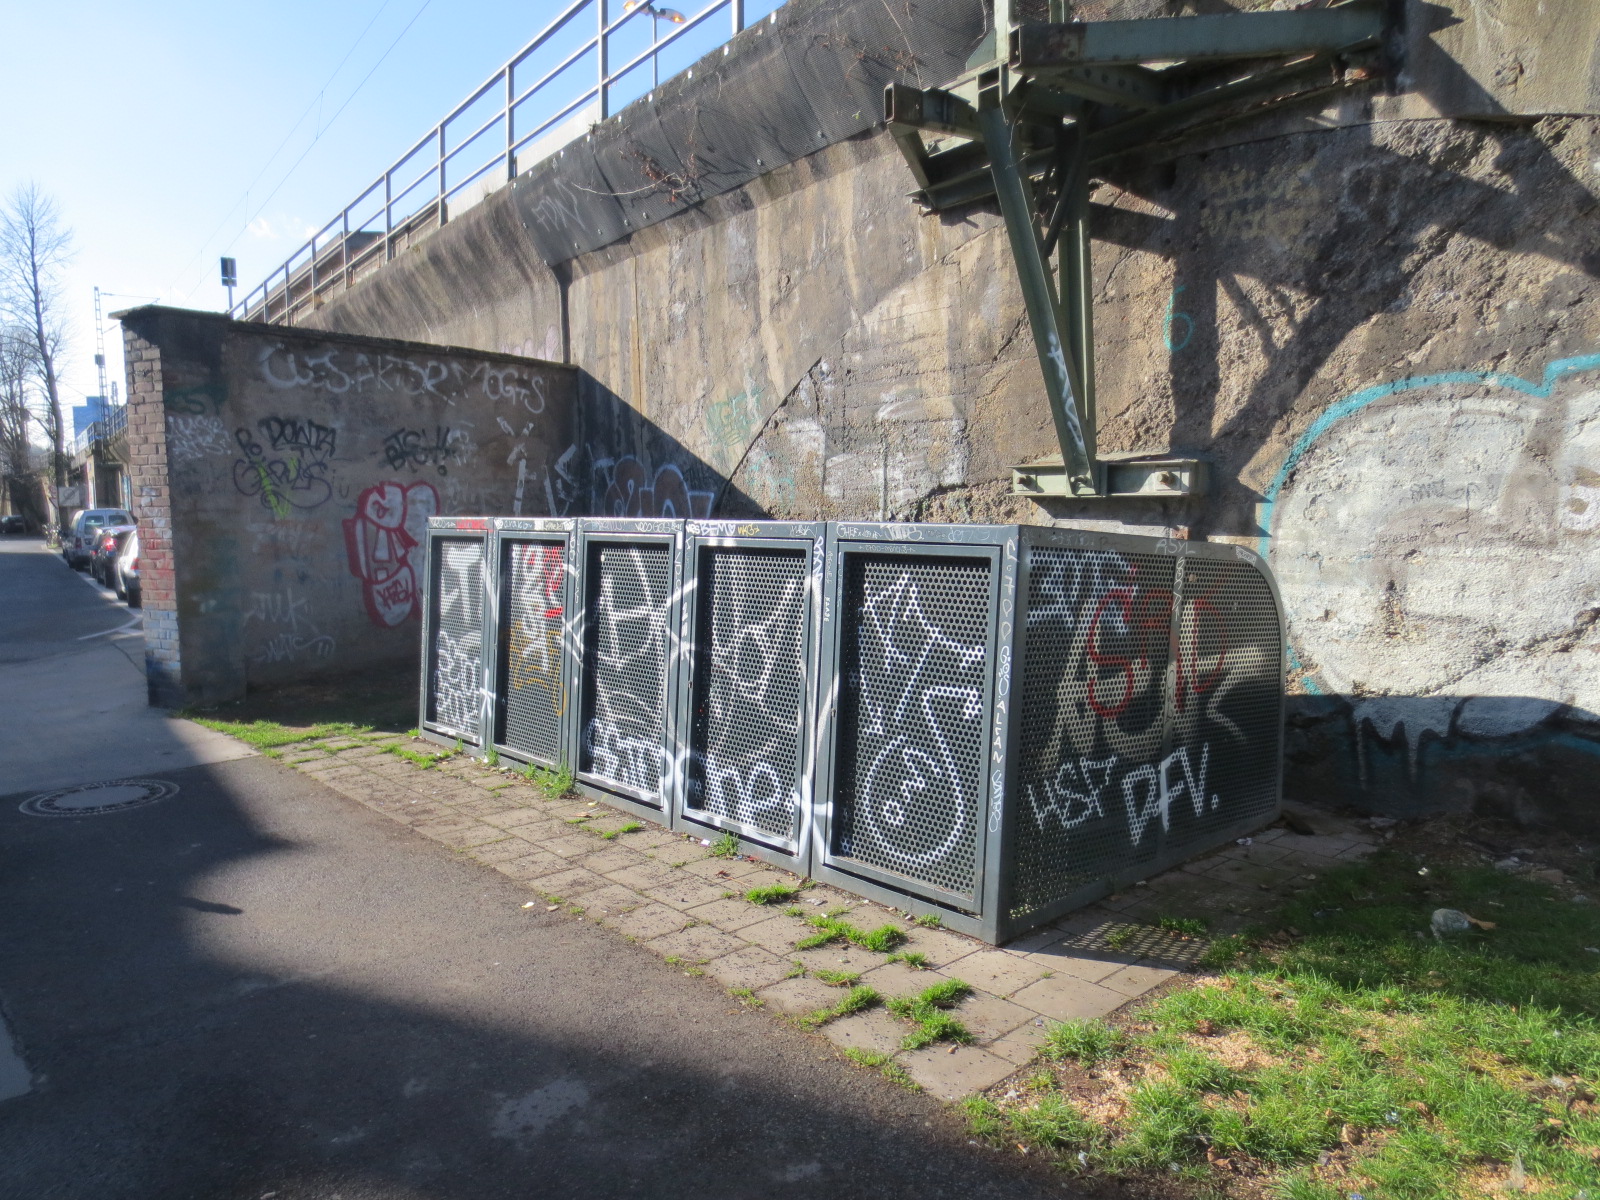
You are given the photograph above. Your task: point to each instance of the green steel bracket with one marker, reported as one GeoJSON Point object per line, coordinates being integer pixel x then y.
{"type": "Point", "coordinates": [1029, 130]}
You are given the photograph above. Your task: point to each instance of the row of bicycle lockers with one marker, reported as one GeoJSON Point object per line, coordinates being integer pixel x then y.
{"type": "Point", "coordinates": [993, 723]}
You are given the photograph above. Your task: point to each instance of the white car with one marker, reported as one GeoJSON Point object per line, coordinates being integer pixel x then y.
{"type": "Point", "coordinates": [125, 571]}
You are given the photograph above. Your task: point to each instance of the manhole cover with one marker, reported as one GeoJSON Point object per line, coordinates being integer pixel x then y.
{"type": "Point", "coordinates": [97, 799]}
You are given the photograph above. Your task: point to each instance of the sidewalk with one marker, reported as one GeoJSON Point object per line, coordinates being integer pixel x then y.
{"type": "Point", "coordinates": [669, 893]}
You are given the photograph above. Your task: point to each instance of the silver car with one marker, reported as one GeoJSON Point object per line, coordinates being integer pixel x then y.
{"type": "Point", "coordinates": [79, 544]}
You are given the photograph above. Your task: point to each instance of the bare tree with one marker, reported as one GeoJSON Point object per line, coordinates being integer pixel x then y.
{"type": "Point", "coordinates": [34, 249]}
{"type": "Point", "coordinates": [16, 415]}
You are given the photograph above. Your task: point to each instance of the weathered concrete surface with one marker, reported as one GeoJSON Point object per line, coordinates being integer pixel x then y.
{"type": "Point", "coordinates": [1382, 331]}
{"type": "Point", "coordinates": [73, 709]}
{"type": "Point", "coordinates": [284, 479]}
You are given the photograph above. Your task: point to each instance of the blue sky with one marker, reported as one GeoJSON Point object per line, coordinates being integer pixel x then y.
{"type": "Point", "coordinates": [176, 132]}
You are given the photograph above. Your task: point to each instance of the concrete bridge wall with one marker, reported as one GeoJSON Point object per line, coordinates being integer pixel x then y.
{"type": "Point", "coordinates": [1379, 320]}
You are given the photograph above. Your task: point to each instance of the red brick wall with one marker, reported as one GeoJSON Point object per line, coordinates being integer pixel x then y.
{"type": "Point", "coordinates": [152, 505]}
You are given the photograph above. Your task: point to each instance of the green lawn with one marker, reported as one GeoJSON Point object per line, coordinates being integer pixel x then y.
{"type": "Point", "coordinates": [1345, 1051]}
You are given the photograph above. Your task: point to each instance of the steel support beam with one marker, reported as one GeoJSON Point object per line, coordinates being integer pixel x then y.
{"type": "Point", "coordinates": [1062, 380]}
{"type": "Point", "coordinates": [1215, 38]}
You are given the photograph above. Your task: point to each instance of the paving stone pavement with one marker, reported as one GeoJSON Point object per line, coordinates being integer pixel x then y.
{"type": "Point", "coordinates": [668, 893]}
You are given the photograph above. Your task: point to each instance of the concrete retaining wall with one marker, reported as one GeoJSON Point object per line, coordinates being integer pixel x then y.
{"type": "Point", "coordinates": [1378, 320]}
{"type": "Point", "coordinates": [282, 479]}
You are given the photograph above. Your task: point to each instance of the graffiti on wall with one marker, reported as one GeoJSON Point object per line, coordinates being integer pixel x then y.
{"type": "Point", "coordinates": [1437, 541]}
{"type": "Point", "coordinates": [286, 463]}
{"type": "Point", "coordinates": [419, 449]}
{"type": "Point", "coordinates": [287, 630]}
{"type": "Point", "coordinates": [383, 546]}
{"type": "Point", "coordinates": [336, 371]}
{"type": "Point", "coordinates": [192, 436]}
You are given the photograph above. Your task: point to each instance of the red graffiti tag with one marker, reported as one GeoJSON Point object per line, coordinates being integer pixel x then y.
{"type": "Point", "coordinates": [383, 543]}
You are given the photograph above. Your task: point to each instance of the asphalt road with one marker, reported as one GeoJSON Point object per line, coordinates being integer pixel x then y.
{"type": "Point", "coordinates": [255, 988]}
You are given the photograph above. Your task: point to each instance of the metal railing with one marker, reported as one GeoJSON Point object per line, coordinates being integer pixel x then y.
{"type": "Point", "coordinates": [523, 126]}
{"type": "Point", "coordinates": [101, 430]}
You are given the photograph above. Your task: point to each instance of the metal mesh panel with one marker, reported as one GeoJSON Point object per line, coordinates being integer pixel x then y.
{"type": "Point", "coordinates": [1226, 701]}
{"type": "Point", "coordinates": [625, 665]}
{"type": "Point", "coordinates": [454, 683]}
{"type": "Point", "coordinates": [912, 716]}
{"type": "Point", "coordinates": [534, 695]}
{"type": "Point", "coordinates": [1090, 750]}
{"type": "Point", "coordinates": [748, 696]}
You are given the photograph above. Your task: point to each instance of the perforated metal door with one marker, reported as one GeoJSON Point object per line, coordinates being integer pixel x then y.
{"type": "Point", "coordinates": [625, 666]}
{"type": "Point", "coordinates": [1098, 642]}
{"type": "Point", "coordinates": [913, 718]}
{"type": "Point", "coordinates": [747, 696]}
{"type": "Point", "coordinates": [1227, 701]}
{"type": "Point", "coordinates": [532, 666]}
{"type": "Point", "coordinates": [455, 677]}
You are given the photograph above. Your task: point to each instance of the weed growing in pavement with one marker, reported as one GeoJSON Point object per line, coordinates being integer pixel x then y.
{"type": "Point", "coordinates": [630, 827]}
{"type": "Point", "coordinates": [857, 999]}
{"type": "Point", "coordinates": [797, 970]}
{"type": "Point", "coordinates": [1120, 937]}
{"type": "Point", "coordinates": [747, 996]}
{"type": "Point", "coordinates": [459, 748]}
{"type": "Point", "coordinates": [425, 761]}
{"type": "Point", "coordinates": [831, 929]}
{"type": "Point", "coordinates": [772, 893]}
{"type": "Point", "coordinates": [794, 910]}
{"type": "Point", "coordinates": [1351, 1052]}
{"type": "Point", "coordinates": [926, 1010]}
{"type": "Point", "coordinates": [836, 978]}
{"type": "Point", "coordinates": [1187, 926]}
{"type": "Point", "coordinates": [492, 758]}
{"type": "Point", "coordinates": [930, 921]}
{"type": "Point", "coordinates": [726, 846]}
{"type": "Point", "coordinates": [884, 1064]}
{"type": "Point", "coordinates": [914, 959]}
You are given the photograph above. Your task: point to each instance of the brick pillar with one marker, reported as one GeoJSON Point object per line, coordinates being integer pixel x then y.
{"type": "Point", "coordinates": [152, 505]}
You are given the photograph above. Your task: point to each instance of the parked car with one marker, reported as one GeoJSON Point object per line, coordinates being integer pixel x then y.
{"type": "Point", "coordinates": [125, 572]}
{"type": "Point", "coordinates": [13, 523]}
{"type": "Point", "coordinates": [107, 545]}
{"type": "Point", "coordinates": [80, 540]}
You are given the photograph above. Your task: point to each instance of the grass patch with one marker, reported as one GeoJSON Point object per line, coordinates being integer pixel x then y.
{"type": "Point", "coordinates": [884, 1064]}
{"type": "Point", "coordinates": [361, 702]}
{"type": "Point", "coordinates": [927, 1011]}
{"type": "Point", "coordinates": [914, 959]}
{"type": "Point", "coordinates": [831, 929]}
{"type": "Point", "coordinates": [772, 893]}
{"type": "Point", "coordinates": [420, 758]}
{"type": "Point", "coordinates": [857, 999]}
{"type": "Point", "coordinates": [747, 996]}
{"type": "Point", "coordinates": [492, 758]}
{"type": "Point", "coordinates": [1352, 1052]}
{"type": "Point", "coordinates": [836, 978]}
{"type": "Point", "coordinates": [553, 782]}
{"type": "Point", "coordinates": [931, 921]}
{"type": "Point", "coordinates": [269, 735]}
{"type": "Point", "coordinates": [726, 846]}
{"type": "Point", "coordinates": [797, 970]}
{"type": "Point", "coordinates": [1089, 1042]}
{"type": "Point", "coordinates": [631, 827]}
{"type": "Point", "coordinates": [1187, 926]}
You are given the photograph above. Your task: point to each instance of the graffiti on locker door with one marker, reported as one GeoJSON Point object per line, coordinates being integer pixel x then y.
{"type": "Point", "coordinates": [458, 640]}
{"type": "Point", "coordinates": [1104, 760]}
{"type": "Point", "coordinates": [383, 546]}
{"type": "Point", "coordinates": [913, 716]}
{"type": "Point", "coordinates": [625, 681]}
{"type": "Point", "coordinates": [533, 653]}
{"type": "Point", "coordinates": [748, 693]}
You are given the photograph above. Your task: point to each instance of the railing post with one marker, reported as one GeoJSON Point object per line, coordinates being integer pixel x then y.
{"type": "Point", "coordinates": [511, 136]}
{"type": "Point", "coordinates": [314, 277]}
{"type": "Point", "coordinates": [440, 150]}
{"type": "Point", "coordinates": [288, 296]}
{"type": "Point", "coordinates": [344, 250]}
{"type": "Point", "coordinates": [604, 59]}
{"type": "Point", "coordinates": [388, 214]}
{"type": "Point", "coordinates": [736, 7]}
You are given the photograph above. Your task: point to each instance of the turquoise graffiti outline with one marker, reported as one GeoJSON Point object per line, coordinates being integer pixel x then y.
{"type": "Point", "coordinates": [1553, 373]}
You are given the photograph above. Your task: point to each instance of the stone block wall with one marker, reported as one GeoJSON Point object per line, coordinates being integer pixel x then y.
{"type": "Point", "coordinates": [282, 480]}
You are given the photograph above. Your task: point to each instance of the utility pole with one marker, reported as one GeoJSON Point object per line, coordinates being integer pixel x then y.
{"type": "Point", "coordinates": [100, 349]}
